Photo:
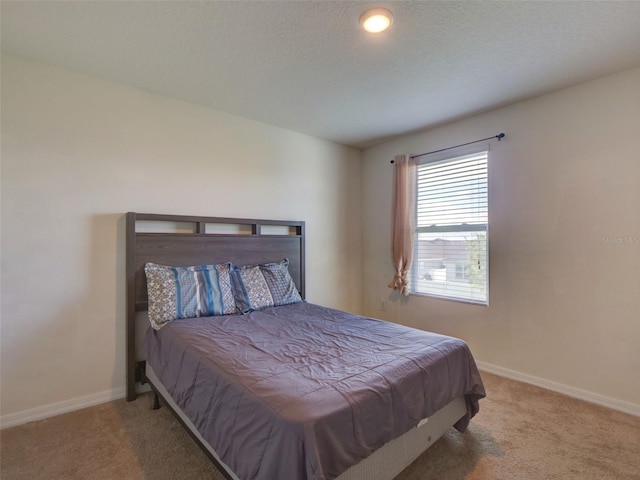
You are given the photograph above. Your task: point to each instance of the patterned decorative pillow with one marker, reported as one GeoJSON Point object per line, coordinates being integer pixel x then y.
{"type": "Point", "coordinates": [266, 285]}
{"type": "Point", "coordinates": [188, 292]}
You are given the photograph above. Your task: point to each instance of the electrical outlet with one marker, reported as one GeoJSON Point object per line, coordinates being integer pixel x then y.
{"type": "Point", "coordinates": [383, 305]}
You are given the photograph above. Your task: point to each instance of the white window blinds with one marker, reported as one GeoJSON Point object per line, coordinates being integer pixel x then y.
{"type": "Point", "coordinates": [451, 241]}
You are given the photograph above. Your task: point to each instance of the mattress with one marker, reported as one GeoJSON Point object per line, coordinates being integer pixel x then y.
{"type": "Point", "coordinates": [303, 391]}
{"type": "Point", "coordinates": [383, 464]}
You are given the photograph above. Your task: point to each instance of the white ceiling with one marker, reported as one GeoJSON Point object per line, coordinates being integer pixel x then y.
{"type": "Point", "coordinates": [307, 66]}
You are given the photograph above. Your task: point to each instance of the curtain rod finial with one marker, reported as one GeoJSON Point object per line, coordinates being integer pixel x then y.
{"type": "Point", "coordinates": [500, 136]}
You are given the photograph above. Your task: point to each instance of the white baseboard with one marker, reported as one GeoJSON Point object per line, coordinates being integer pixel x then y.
{"type": "Point", "coordinates": [58, 408]}
{"type": "Point", "coordinates": [613, 403]}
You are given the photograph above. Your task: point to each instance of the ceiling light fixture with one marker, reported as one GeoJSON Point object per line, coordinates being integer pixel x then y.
{"type": "Point", "coordinates": [376, 20]}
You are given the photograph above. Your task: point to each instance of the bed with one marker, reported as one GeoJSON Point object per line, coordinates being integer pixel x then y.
{"type": "Point", "coordinates": [294, 391]}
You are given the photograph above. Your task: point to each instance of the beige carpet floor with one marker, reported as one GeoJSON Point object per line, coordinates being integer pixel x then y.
{"type": "Point", "coordinates": [521, 432]}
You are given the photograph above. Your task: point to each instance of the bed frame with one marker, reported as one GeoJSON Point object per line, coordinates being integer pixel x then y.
{"type": "Point", "coordinates": [180, 240]}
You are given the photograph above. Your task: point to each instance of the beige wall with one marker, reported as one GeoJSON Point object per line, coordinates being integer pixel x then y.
{"type": "Point", "coordinates": [77, 153]}
{"type": "Point", "coordinates": [564, 303]}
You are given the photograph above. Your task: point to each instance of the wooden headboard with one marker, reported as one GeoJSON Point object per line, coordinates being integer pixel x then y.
{"type": "Point", "coordinates": [180, 240]}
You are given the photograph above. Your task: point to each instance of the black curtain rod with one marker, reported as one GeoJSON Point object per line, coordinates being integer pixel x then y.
{"type": "Point", "coordinates": [500, 136]}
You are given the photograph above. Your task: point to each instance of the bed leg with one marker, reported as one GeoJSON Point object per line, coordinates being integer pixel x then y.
{"type": "Point", "coordinates": [156, 402]}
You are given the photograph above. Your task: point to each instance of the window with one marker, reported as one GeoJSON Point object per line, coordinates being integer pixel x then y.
{"type": "Point", "coordinates": [451, 241]}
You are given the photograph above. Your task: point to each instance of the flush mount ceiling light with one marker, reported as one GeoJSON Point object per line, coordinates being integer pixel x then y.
{"type": "Point", "coordinates": [376, 20]}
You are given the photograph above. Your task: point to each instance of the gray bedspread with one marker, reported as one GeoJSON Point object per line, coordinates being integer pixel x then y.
{"type": "Point", "coordinates": [302, 392]}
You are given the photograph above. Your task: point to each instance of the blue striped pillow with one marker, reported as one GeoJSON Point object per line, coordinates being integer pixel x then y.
{"type": "Point", "coordinates": [188, 292]}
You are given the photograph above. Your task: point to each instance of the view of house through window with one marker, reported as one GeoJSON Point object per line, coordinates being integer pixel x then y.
{"type": "Point", "coordinates": [451, 241]}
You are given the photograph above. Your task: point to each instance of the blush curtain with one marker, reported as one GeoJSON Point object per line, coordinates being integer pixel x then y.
{"type": "Point", "coordinates": [403, 221]}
